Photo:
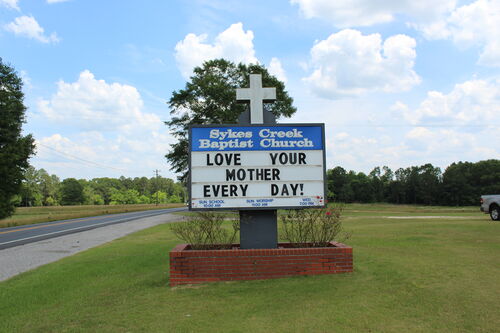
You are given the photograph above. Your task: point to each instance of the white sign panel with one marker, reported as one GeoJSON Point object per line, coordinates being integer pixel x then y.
{"type": "Point", "coordinates": [245, 167]}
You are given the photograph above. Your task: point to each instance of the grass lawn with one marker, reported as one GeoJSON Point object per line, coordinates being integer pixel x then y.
{"type": "Point", "coordinates": [411, 275]}
{"type": "Point", "coordinates": [30, 215]}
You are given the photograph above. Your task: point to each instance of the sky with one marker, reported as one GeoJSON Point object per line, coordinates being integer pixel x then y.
{"type": "Point", "coordinates": [397, 83]}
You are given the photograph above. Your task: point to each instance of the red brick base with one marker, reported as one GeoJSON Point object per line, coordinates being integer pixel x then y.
{"type": "Point", "coordinates": [198, 266]}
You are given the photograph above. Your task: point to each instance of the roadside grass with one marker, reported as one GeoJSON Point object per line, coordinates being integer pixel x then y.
{"type": "Point", "coordinates": [31, 215]}
{"type": "Point", "coordinates": [411, 275]}
{"type": "Point", "coordinates": [401, 210]}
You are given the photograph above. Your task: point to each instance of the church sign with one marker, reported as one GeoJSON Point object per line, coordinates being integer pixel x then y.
{"type": "Point", "coordinates": [257, 166]}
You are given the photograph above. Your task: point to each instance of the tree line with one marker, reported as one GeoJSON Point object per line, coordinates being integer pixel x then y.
{"type": "Point", "coordinates": [461, 184]}
{"type": "Point", "coordinates": [39, 188]}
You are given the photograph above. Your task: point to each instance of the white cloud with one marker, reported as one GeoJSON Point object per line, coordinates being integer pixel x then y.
{"type": "Point", "coordinates": [352, 13]}
{"type": "Point", "coordinates": [60, 145]}
{"type": "Point", "coordinates": [398, 136]}
{"type": "Point", "coordinates": [473, 24]}
{"type": "Point", "coordinates": [277, 70]}
{"type": "Point", "coordinates": [27, 26]}
{"type": "Point", "coordinates": [55, 1]}
{"type": "Point", "coordinates": [418, 146]}
{"type": "Point", "coordinates": [451, 145]}
{"type": "Point", "coordinates": [475, 102]}
{"type": "Point", "coordinates": [12, 4]}
{"type": "Point", "coordinates": [89, 103]}
{"type": "Point", "coordinates": [92, 154]}
{"type": "Point", "coordinates": [233, 44]}
{"type": "Point", "coordinates": [349, 63]}
{"type": "Point", "coordinates": [108, 126]}
{"type": "Point", "coordinates": [398, 109]}
{"type": "Point", "coordinates": [458, 126]}
{"type": "Point", "coordinates": [478, 24]}
{"type": "Point", "coordinates": [342, 136]}
{"type": "Point", "coordinates": [26, 79]}
{"type": "Point", "coordinates": [357, 152]}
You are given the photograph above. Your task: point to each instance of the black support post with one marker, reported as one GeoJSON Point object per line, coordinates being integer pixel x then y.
{"type": "Point", "coordinates": [258, 228]}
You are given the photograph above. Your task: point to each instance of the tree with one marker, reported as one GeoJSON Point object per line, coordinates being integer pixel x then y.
{"type": "Point", "coordinates": [336, 182]}
{"type": "Point", "coordinates": [104, 186]}
{"type": "Point", "coordinates": [377, 184]}
{"type": "Point", "coordinates": [162, 197]}
{"type": "Point", "coordinates": [39, 188]}
{"type": "Point", "coordinates": [143, 199]}
{"type": "Point", "coordinates": [361, 187]}
{"type": "Point", "coordinates": [428, 189]}
{"type": "Point", "coordinates": [71, 192]}
{"type": "Point", "coordinates": [465, 182]}
{"type": "Point", "coordinates": [487, 177]}
{"type": "Point", "coordinates": [31, 193]}
{"type": "Point", "coordinates": [90, 197]}
{"type": "Point", "coordinates": [49, 186]}
{"type": "Point", "coordinates": [141, 185]}
{"type": "Point", "coordinates": [15, 149]}
{"type": "Point", "coordinates": [131, 197]}
{"type": "Point", "coordinates": [124, 197]}
{"type": "Point", "coordinates": [174, 199]}
{"type": "Point", "coordinates": [117, 197]}
{"type": "Point", "coordinates": [210, 98]}
{"type": "Point", "coordinates": [127, 183]}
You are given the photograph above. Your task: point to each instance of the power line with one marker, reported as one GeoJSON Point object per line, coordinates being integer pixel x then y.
{"type": "Point", "coordinates": [69, 156]}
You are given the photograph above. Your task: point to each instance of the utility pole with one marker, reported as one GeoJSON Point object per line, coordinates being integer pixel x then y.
{"type": "Point", "coordinates": [157, 185]}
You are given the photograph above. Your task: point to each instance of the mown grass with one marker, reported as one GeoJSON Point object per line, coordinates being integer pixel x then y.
{"type": "Point", "coordinates": [31, 215]}
{"type": "Point", "coordinates": [411, 275]}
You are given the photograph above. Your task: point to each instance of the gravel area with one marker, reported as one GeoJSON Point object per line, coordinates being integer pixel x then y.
{"type": "Point", "coordinates": [19, 259]}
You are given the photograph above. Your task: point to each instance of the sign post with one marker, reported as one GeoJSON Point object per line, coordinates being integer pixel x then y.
{"type": "Point", "coordinates": [257, 168]}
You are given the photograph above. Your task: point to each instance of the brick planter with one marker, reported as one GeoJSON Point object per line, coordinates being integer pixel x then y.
{"type": "Point", "coordinates": [198, 266]}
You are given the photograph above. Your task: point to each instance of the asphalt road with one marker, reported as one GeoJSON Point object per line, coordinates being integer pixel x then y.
{"type": "Point", "coordinates": [14, 236]}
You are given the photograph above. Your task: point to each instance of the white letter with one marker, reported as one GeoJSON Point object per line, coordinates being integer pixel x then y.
{"type": "Point", "coordinates": [214, 134]}
{"type": "Point", "coordinates": [204, 143]}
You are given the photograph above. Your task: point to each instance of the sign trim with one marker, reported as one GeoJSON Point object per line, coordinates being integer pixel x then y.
{"type": "Point", "coordinates": [190, 145]}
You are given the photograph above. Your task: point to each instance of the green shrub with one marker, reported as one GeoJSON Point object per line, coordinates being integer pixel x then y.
{"type": "Point", "coordinates": [205, 231]}
{"type": "Point", "coordinates": [312, 227]}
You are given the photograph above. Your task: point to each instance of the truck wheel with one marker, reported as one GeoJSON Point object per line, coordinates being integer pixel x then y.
{"type": "Point", "coordinates": [495, 213]}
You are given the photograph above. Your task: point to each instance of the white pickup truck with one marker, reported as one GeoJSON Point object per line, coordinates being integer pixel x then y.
{"type": "Point", "coordinates": [490, 204]}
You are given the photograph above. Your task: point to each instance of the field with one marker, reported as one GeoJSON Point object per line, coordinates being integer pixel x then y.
{"type": "Point", "coordinates": [416, 269]}
{"type": "Point", "coordinates": [30, 215]}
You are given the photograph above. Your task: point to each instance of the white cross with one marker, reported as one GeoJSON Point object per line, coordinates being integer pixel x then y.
{"type": "Point", "coordinates": [256, 95]}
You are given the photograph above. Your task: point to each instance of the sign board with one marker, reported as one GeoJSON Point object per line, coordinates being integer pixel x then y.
{"type": "Point", "coordinates": [257, 166]}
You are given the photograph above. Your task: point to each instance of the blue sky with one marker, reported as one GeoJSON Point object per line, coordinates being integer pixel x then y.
{"type": "Point", "coordinates": [397, 83]}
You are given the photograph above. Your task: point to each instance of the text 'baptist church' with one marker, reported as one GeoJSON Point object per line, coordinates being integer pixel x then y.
{"type": "Point", "coordinates": [244, 139]}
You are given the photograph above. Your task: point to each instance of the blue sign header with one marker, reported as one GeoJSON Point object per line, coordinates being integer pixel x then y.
{"type": "Point", "coordinates": [240, 138]}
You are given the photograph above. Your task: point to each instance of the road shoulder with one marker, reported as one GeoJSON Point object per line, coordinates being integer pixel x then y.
{"type": "Point", "coordinates": [19, 259]}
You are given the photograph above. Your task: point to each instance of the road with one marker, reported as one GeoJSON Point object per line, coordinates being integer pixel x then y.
{"type": "Point", "coordinates": [14, 236]}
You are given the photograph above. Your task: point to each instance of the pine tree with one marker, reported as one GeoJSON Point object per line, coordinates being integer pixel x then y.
{"type": "Point", "coordinates": [15, 149]}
